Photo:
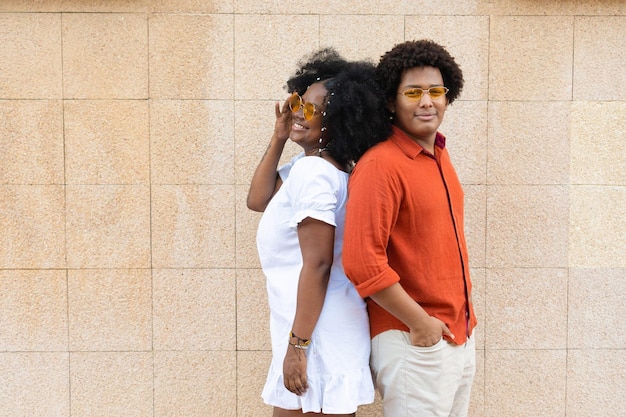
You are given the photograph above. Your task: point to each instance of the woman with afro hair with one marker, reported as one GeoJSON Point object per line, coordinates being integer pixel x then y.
{"type": "Point", "coordinates": [405, 246]}
{"type": "Point", "coordinates": [318, 322]}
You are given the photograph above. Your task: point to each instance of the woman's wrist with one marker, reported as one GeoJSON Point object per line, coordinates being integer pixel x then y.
{"type": "Point", "coordinates": [278, 138]}
{"type": "Point", "coordinates": [298, 342]}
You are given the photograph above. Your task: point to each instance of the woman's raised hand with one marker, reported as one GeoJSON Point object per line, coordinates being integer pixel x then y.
{"type": "Point", "coordinates": [282, 127]}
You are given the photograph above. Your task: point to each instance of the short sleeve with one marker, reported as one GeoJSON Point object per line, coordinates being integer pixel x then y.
{"type": "Point", "coordinates": [313, 191]}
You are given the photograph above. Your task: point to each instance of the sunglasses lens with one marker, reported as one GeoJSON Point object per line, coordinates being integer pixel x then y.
{"type": "Point", "coordinates": [435, 92]}
{"type": "Point", "coordinates": [294, 102]}
{"type": "Point", "coordinates": [413, 93]}
{"type": "Point", "coordinates": [308, 111]}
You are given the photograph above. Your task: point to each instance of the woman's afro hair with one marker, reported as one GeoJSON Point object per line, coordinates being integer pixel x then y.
{"type": "Point", "coordinates": [419, 53]}
{"type": "Point", "coordinates": [355, 108]}
{"type": "Point", "coordinates": [319, 66]}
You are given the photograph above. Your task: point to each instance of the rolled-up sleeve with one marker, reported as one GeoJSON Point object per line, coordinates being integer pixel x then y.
{"type": "Point", "coordinates": [373, 201]}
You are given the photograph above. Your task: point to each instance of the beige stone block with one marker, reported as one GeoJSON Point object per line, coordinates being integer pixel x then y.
{"type": "Point", "coordinates": [31, 139]}
{"type": "Point", "coordinates": [596, 308]}
{"type": "Point", "coordinates": [110, 309]}
{"type": "Point", "coordinates": [250, 147]}
{"type": "Point", "coordinates": [526, 308]}
{"type": "Point", "coordinates": [192, 142]}
{"type": "Point", "coordinates": [253, 330]}
{"type": "Point", "coordinates": [525, 383]}
{"type": "Point", "coordinates": [252, 370]}
{"type": "Point", "coordinates": [34, 384]}
{"type": "Point", "coordinates": [409, 7]}
{"type": "Point", "coordinates": [478, 297]}
{"type": "Point", "coordinates": [33, 310]}
{"type": "Point", "coordinates": [598, 143]}
{"type": "Point", "coordinates": [595, 383]}
{"type": "Point", "coordinates": [107, 142]}
{"type": "Point", "coordinates": [561, 7]}
{"type": "Point", "coordinates": [357, 37]}
{"type": "Point", "coordinates": [535, 49]}
{"type": "Point", "coordinates": [598, 78]}
{"type": "Point", "coordinates": [191, 56]}
{"type": "Point", "coordinates": [108, 226]}
{"type": "Point", "coordinates": [597, 227]}
{"type": "Point", "coordinates": [195, 384]}
{"type": "Point", "coordinates": [192, 6]}
{"type": "Point", "coordinates": [528, 142]}
{"type": "Point", "coordinates": [466, 38]}
{"type": "Point", "coordinates": [277, 7]}
{"type": "Point", "coordinates": [529, 7]}
{"type": "Point", "coordinates": [598, 7]}
{"type": "Point", "coordinates": [267, 50]}
{"type": "Point", "coordinates": [465, 128]}
{"type": "Point", "coordinates": [107, 6]}
{"type": "Point", "coordinates": [194, 309]}
{"type": "Point", "coordinates": [105, 55]}
{"type": "Point", "coordinates": [111, 384]}
{"type": "Point", "coordinates": [33, 226]}
{"type": "Point", "coordinates": [30, 56]}
{"type": "Point", "coordinates": [527, 226]}
{"type": "Point", "coordinates": [193, 226]}
{"type": "Point", "coordinates": [247, 225]}
{"type": "Point", "coordinates": [373, 7]}
{"type": "Point", "coordinates": [31, 6]}
{"type": "Point", "coordinates": [475, 223]}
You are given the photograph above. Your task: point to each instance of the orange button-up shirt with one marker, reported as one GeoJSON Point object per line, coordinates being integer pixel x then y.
{"type": "Point", "coordinates": [404, 223]}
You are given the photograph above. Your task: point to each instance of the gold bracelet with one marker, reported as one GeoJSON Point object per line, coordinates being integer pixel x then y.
{"type": "Point", "coordinates": [301, 341]}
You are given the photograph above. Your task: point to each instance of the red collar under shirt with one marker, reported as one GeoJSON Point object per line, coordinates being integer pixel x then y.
{"type": "Point", "coordinates": [404, 223]}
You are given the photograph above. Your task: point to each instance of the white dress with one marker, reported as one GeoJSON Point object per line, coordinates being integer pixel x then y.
{"type": "Point", "coordinates": [338, 358]}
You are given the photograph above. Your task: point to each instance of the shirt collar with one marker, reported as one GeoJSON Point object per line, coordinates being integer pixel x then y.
{"type": "Point", "coordinates": [409, 146]}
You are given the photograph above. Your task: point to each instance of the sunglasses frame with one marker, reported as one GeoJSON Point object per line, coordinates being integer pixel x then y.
{"type": "Point", "coordinates": [301, 104]}
{"type": "Point", "coordinates": [425, 91]}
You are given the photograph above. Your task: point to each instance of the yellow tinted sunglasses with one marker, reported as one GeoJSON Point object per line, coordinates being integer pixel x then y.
{"type": "Point", "coordinates": [308, 109]}
{"type": "Point", "coordinates": [416, 93]}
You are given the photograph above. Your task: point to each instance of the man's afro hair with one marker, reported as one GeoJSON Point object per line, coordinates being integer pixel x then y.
{"type": "Point", "coordinates": [419, 53]}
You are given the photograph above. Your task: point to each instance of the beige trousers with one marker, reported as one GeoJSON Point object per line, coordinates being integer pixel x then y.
{"type": "Point", "coordinates": [416, 381]}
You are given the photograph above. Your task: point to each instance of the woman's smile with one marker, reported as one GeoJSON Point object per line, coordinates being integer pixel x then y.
{"type": "Point", "coordinates": [298, 126]}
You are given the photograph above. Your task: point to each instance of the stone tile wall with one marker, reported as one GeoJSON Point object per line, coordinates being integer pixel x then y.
{"type": "Point", "coordinates": [129, 131]}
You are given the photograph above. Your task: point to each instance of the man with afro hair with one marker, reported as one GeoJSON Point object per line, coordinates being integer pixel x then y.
{"type": "Point", "coordinates": [404, 245]}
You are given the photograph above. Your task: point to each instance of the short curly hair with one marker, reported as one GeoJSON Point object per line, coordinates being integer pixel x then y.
{"type": "Point", "coordinates": [355, 107]}
{"type": "Point", "coordinates": [420, 53]}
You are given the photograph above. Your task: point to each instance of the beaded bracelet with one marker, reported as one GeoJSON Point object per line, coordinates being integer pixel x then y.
{"type": "Point", "coordinates": [298, 346]}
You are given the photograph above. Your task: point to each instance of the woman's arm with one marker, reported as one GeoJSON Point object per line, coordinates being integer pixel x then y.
{"type": "Point", "coordinates": [266, 181]}
{"type": "Point", "coordinates": [317, 240]}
